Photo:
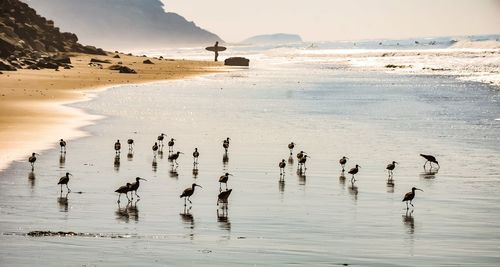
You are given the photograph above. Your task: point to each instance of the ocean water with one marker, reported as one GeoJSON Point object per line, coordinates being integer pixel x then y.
{"type": "Point", "coordinates": [311, 218]}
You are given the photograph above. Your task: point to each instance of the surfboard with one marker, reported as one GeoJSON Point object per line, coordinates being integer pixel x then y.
{"type": "Point", "coordinates": [214, 48]}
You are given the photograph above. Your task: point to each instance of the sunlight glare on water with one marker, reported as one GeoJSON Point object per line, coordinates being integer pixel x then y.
{"type": "Point", "coordinates": [316, 218]}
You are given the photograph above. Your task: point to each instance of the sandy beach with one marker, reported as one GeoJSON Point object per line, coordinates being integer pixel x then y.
{"type": "Point", "coordinates": [32, 101]}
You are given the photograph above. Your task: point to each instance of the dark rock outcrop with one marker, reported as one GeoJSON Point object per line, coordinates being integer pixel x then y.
{"type": "Point", "coordinates": [125, 69]}
{"type": "Point", "coordinates": [237, 61]}
{"type": "Point", "coordinates": [29, 40]}
{"type": "Point", "coordinates": [147, 61]}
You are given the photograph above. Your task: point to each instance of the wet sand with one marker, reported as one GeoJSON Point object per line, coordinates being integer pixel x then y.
{"type": "Point", "coordinates": [32, 102]}
{"type": "Point", "coordinates": [311, 219]}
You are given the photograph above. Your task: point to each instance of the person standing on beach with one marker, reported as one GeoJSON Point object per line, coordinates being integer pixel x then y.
{"type": "Point", "coordinates": [216, 50]}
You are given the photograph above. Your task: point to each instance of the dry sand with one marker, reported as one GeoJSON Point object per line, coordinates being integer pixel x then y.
{"type": "Point", "coordinates": [32, 111]}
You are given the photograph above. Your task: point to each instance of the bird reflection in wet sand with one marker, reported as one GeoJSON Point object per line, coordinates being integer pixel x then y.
{"type": "Point", "coordinates": [223, 218]}
{"type": "Point", "coordinates": [195, 171]}
{"type": "Point", "coordinates": [290, 161]}
{"type": "Point", "coordinates": [225, 159]}
{"type": "Point", "coordinates": [117, 162]}
{"type": "Point", "coordinates": [353, 190]}
{"type": "Point", "coordinates": [342, 178]}
{"type": "Point", "coordinates": [429, 174]}
{"type": "Point", "coordinates": [302, 176]}
{"type": "Point", "coordinates": [133, 210]}
{"type": "Point", "coordinates": [121, 213]}
{"type": "Point", "coordinates": [31, 178]}
{"type": "Point", "coordinates": [187, 217]}
{"type": "Point", "coordinates": [173, 172]}
{"type": "Point", "coordinates": [62, 160]}
{"type": "Point", "coordinates": [63, 202]}
{"type": "Point", "coordinates": [130, 155]}
{"type": "Point", "coordinates": [154, 164]}
{"type": "Point", "coordinates": [281, 185]}
{"type": "Point", "coordinates": [409, 221]}
{"type": "Point", "coordinates": [390, 186]}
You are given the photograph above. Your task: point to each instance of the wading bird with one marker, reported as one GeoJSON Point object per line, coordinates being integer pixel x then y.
{"type": "Point", "coordinates": [62, 144]}
{"type": "Point", "coordinates": [390, 167]}
{"type": "Point", "coordinates": [430, 159]}
{"type": "Point", "coordinates": [302, 161]}
{"type": "Point", "coordinates": [343, 161]}
{"type": "Point", "coordinates": [291, 146]}
{"type": "Point", "coordinates": [174, 157]}
{"type": "Point", "coordinates": [171, 144]}
{"type": "Point", "coordinates": [188, 192]}
{"type": "Point", "coordinates": [282, 166]}
{"type": "Point", "coordinates": [353, 171]}
{"type": "Point", "coordinates": [130, 143]}
{"type": "Point", "coordinates": [225, 144]}
{"type": "Point", "coordinates": [196, 154]}
{"type": "Point", "coordinates": [223, 180]}
{"type": "Point", "coordinates": [410, 196]}
{"type": "Point", "coordinates": [223, 196]}
{"type": "Point", "coordinates": [300, 154]}
{"type": "Point", "coordinates": [160, 138]}
{"type": "Point", "coordinates": [118, 146]}
{"type": "Point", "coordinates": [135, 186]}
{"type": "Point", "coordinates": [64, 180]}
{"type": "Point", "coordinates": [123, 190]}
{"type": "Point", "coordinates": [32, 160]}
{"type": "Point", "coordinates": [155, 148]}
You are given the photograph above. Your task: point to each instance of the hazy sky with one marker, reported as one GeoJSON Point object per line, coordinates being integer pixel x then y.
{"type": "Point", "coordinates": [315, 20]}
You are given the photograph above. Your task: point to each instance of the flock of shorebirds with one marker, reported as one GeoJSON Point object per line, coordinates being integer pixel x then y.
{"type": "Point", "coordinates": [224, 195]}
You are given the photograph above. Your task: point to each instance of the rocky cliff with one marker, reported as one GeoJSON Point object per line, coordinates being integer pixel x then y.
{"type": "Point", "coordinates": [23, 33]}
{"type": "Point", "coordinates": [124, 24]}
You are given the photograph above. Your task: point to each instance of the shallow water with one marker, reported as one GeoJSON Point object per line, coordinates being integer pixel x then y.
{"type": "Point", "coordinates": [316, 218]}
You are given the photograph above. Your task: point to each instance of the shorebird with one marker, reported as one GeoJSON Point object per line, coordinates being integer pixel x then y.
{"type": "Point", "coordinates": [130, 143]}
{"type": "Point", "coordinates": [135, 186]}
{"type": "Point", "coordinates": [160, 138]}
{"type": "Point", "coordinates": [223, 196]}
{"type": "Point", "coordinates": [171, 145]}
{"type": "Point", "coordinates": [118, 146]}
{"type": "Point", "coordinates": [196, 154]}
{"type": "Point", "coordinates": [431, 159]}
{"type": "Point", "coordinates": [223, 180]}
{"type": "Point", "coordinates": [300, 154]}
{"type": "Point", "coordinates": [282, 166]}
{"type": "Point", "coordinates": [64, 180]}
{"type": "Point", "coordinates": [32, 160]}
{"type": "Point", "coordinates": [155, 148]}
{"type": "Point", "coordinates": [343, 161]}
{"type": "Point", "coordinates": [353, 171]}
{"type": "Point", "coordinates": [62, 144]}
{"type": "Point", "coordinates": [291, 146]}
{"type": "Point", "coordinates": [410, 196]}
{"type": "Point", "coordinates": [174, 157]}
{"type": "Point", "coordinates": [123, 190]}
{"type": "Point", "coordinates": [188, 192]}
{"type": "Point", "coordinates": [225, 144]}
{"type": "Point", "coordinates": [302, 161]}
{"type": "Point", "coordinates": [390, 167]}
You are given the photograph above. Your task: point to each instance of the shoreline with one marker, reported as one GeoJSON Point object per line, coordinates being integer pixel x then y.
{"type": "Point", "coordinates": [36, 104]}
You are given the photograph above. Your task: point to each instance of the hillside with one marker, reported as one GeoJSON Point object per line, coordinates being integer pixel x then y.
{"type": "Point", "coordinates": [124, 24]}
{"type": "Point", "coordinates": [23, 32]}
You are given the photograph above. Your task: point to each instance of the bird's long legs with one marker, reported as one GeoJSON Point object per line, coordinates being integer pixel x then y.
{"type": "Point", "coordinates": [69, 190]}
{"type": "Point", "coordinates": [61, 188]}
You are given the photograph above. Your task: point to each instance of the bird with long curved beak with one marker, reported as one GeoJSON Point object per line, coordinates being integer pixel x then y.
{"type": "Point", "coordinates": [223, 180]}
{"type": "Point", "coordinates": [64, 180]}
{"type": "Point", "coordinates": [135, 186]}
{"type": "Point", "coordinates": [410, 196]}
{"type": "Point", "coordinates": [188, 192]}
